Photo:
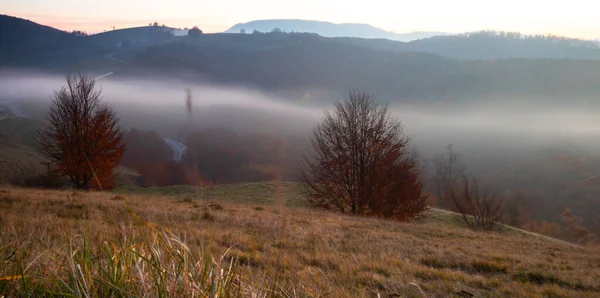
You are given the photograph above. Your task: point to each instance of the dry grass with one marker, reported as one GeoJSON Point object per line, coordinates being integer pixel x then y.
{"type": "Point", "coordinates": [93, 244]}
{"type": "Point", "coordinates": [18, 163]}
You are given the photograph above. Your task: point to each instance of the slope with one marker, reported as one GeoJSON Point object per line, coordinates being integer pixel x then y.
{"type": "Point", "coordinates": [27, 44]}
{"type": "Point", "coordinates": [305, 62]}
{"type": "Point", "coordinates": [153, 245]}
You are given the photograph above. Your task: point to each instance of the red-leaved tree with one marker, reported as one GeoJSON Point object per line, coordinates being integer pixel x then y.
{"type": "Point", "coordinates": [360, 163]}
{"type": "Point", "coordinates": [83, 140]}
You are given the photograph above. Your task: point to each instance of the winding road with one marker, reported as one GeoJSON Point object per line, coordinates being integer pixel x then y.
{"type": "Point", "coordinates": [104, 75]}
{"type": "Point", "coordinates": [177, 147]}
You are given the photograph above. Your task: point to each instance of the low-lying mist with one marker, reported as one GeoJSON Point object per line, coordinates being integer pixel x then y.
{"type": "Point", "coordinates": [160, 104]}
{"type": "Point", "coordinates": [513, 144]}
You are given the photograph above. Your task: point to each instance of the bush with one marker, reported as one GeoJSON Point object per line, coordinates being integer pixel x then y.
{"type": "Point", "coordinates": [480, 209]}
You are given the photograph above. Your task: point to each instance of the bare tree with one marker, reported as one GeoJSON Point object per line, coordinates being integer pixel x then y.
{"type": "Point", "coordinates": [360, 164]}
{"type": "Point", "coordinates": [448, 169]}
{"type": "Point", "coordinates": [480, 209]}
{"type": "Point", "coordinates": [83, 141]}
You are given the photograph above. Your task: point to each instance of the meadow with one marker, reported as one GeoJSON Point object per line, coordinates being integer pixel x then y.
{"type": "Point", "coordinates": [257, 240]}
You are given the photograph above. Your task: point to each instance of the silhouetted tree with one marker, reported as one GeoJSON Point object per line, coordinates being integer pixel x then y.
{"type": "Point", "coordinates": [194, 32]}
{"type": "Point", "coordinates": [360, 164]}
{"type": "Point", "coordinates": [83, 141]}
{"type": "Point", "coordinates": [78, 33]}
{"type": "Point", "coordinates": [242, 31]}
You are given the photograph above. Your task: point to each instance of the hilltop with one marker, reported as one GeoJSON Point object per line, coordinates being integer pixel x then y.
{"type": "Point", "coordinates": [157, 244]}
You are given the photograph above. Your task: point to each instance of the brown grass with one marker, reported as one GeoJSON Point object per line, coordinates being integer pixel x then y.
{"type": "Point", "coordinates": [18, 163]}
{"type": "Point", "coordinates": [264, 250]}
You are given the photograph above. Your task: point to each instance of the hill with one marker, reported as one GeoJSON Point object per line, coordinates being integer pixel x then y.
{"type": "Point", "coordinates": [127, 38]}
{"type": "Point", "coordinates": [486, 45]}
{"type": "Point", "coordinates": [309, 62]}
{"type": "Point", "coordinates": [502, 45]}
{"type": "Point", "coordinates": [327, 29]}
{"type": "Point", "coordinates": [27, 44]}
{"type": "Point", "coordinates": [20, 38]}
{"type": "Point", "coordinates": [95, 244]}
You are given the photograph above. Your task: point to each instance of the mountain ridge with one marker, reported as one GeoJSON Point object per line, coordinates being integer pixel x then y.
{"type": "Point", "coordinates": [329, 29]}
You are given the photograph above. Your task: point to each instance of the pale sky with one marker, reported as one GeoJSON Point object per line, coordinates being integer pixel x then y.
{"type": "Point", "coordinates": [574, 18]}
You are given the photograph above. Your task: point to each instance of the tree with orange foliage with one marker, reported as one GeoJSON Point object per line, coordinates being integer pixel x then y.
{"type": "Point", "coordinates": [360, 163]}
{"type": "Point", "coordinates": [83, 141]}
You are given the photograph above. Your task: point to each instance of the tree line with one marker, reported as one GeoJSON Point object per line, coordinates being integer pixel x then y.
{"type": "Point", "coordinates": [304, 61]}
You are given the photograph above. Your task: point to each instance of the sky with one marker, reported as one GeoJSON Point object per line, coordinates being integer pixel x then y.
{"type": "Point", "coordinates": [573, 18]}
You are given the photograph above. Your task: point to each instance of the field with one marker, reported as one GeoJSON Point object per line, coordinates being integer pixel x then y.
{"type": "Point", "coordinates": [258, 240]}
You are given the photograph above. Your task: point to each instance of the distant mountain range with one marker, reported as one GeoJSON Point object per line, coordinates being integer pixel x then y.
{"type": "Point", "coordinates": [328, 29]}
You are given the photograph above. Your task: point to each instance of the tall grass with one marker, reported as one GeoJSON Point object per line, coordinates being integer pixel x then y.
{"type": "Point", "coordinates": [160, 266]}
{"type": "Point", "coordinates": [152, 263]}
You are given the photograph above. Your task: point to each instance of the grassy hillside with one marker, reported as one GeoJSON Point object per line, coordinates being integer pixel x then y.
{"type": "Point", "coordinates": [103, 244]}
{"type": "Point", "coordinates": [269, 193]}
{"type": "Point", "coordinates": [18, 158]}
{"type": "Point", "coordinates": [18, 163]}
